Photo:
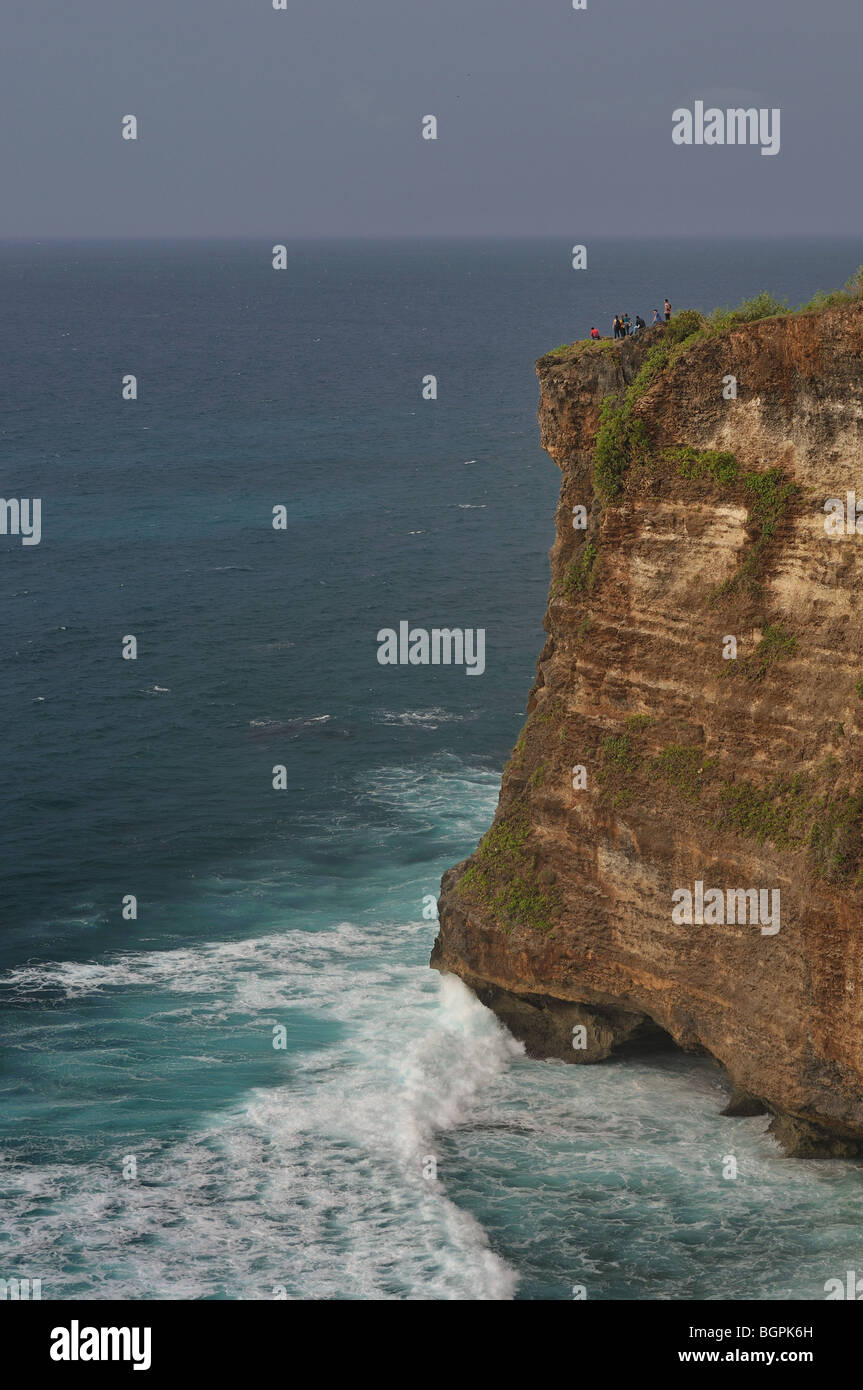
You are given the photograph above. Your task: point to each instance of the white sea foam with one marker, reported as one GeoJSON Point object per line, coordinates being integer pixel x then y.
{"type": "Point", "coordinates": [316, 1184]}
{"type": "Point", "coordinates": [316, 1181]}
{"type": "Point", "coordinates": [419, 718]}
{"type": "Point", "coordinates": [298, 723]}
{"type": "Point", "coordinates": [609, 1176]}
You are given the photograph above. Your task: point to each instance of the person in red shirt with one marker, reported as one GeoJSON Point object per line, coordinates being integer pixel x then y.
{"type": "Point", "coordinates": [594, 332]}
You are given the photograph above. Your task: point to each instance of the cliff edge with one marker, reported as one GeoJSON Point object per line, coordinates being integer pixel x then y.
{"type": "Point", "coordinates": [696, 726]}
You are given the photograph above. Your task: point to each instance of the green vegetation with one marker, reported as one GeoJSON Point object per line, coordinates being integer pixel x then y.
{"type": "Point", "coordinates": [775, 645]}
{"type": "Point", "coordinates": [836, 836]}
{"type": "Point", "coordinates": [550, 711]}
{"type": "Point", "coordinates": [687, 324]}
{"type": "Point", "coordinates": [790, 814]}
{"type": "Point", "coordinates": [620, 762]}
{"type": "Point", "coordinates": [761, 306]}
{"type": "Point", "coordinates": [770, 496]}
{"type": "Point", "coordinates": [580, 576]}
{"type": "Point", "coordinates": [503, 878]}
{"type": "Point", "coordinates": [617, 751]}
{"type": "Point", "coordinates": [718, 465]}
{"type": "Point", "coordinates": [804, 813]}
{"type": "Point", "coordinates": [620, 442]}
{"type": "Point", "coordinates": [777, 813]}
{"type": "Point", "coordinates": [852, 290]}
{"type": "Point", "coordinates": [638, 722]}
{"type": "Point", "coordinates": [684, 767]}
{"type": "Point", "coordinates": [655, 361]}
{"type": "Point", "coordinates": [537, 777]}
{"type": "Point", "coordinates": [858, 688]}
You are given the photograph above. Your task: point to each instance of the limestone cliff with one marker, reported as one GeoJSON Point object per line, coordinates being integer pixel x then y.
{"type": "Point", "coordinates": [704, 520]}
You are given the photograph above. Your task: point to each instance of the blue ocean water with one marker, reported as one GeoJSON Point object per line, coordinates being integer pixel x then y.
{"type": "Point", "coordinates": [305, 1169]}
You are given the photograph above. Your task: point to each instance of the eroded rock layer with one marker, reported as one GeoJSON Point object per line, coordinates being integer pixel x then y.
{"type": "Point", "coordinates": [705, 521]}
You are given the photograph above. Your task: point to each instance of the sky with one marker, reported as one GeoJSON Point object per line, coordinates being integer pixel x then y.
{"type": "Point", "coordinates": [306, 122]}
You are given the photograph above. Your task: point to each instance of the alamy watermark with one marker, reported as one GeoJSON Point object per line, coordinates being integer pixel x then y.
{"type": "Point", "coordinates": [843, 517]}
{"type": "Point", "coordinates": [734, 126]}
{"type": "Point", "coordinates": [21, 518]}
{"type": "Point", "coordinates": [437, 646]}
{"type": "Point", "coordinates": [77, 1343]}
{"type": "Point", "coordinates": [21, 1289]}
{"type": "Point", "coordinates": [721, 907]}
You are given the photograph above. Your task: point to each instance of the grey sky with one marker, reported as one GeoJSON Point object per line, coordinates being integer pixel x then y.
{"type": "Point", "coordinates": [307, 122]}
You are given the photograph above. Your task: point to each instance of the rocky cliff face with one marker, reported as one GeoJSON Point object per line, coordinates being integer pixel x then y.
{"type": "Point", "coordinates": [654, 758]}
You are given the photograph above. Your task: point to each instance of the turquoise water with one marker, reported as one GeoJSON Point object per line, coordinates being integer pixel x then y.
{"type": "Point", "coordinates": [306, 1170]}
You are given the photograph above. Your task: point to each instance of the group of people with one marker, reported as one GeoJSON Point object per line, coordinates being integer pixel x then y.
{"type": "Point", "coordinates": [622, 326]}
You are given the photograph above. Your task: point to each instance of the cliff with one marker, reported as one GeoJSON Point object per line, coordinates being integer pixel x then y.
{"type": "Point", "coordinates": [704, 521]}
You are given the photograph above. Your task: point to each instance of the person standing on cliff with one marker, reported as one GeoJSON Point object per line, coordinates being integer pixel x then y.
{"type": "Point", "coordinates": [616, 326]}
{"type": "Point", "coordinates": [667, 310]}
{"type": "Point", "coordinates": [627, 325]}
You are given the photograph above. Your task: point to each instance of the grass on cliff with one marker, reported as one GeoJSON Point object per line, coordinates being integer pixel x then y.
{"type": "Point", "coordinates": [622, 443]}
{"type": "Point", "coordinates": [503, 879]}
{"type": "Point", "coordinates": [689, 324]}
{"type": "Point", "coordinates": [806, 813]}
{"type": "Point", "coordinates": [622, 440]}
{"type": "Point", "coordinates": [715, 465]}
{"type": "Point", "coordinates": [763, 306]}
{"type": "Point", "coordinates": [770, 495]}
{"type": "Point", "coordinates": [776, 645]}
{"type": "Point", "coordinates": [580, 574]}
{"type": "Point", "coordinates": [625, 768]}
{"type": "Point", "coordinates": [801, 813]}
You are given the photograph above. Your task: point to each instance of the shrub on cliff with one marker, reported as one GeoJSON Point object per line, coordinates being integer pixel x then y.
{"type": "Point", "coordinates": [580, 575]}
{"type": "Point", "coordinates": [684, 324]}
{"type": "Point", "coordinates": [852, 290]}
{"type": "Point", "coordinates": [620, 441]}
{"type": "Point", "coordinates": [761, 306]}
{"type": "Point", "coordinates": [770, 497]}
{"type": "Point", "coordinates": [854, 287]}
{"type": "Point", "coordinates": [720, 465]}
{"type": "Point", "coordinates": [503, 878]}
{"type": "Point", "coordinates": [655, 362]}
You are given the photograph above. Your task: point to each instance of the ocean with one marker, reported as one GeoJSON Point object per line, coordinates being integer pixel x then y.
{"type": "Point", "coordinates": [395, 1143]}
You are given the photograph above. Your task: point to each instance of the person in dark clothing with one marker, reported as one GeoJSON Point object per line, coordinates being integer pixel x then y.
{"type": "Point", "coordinates": [656, 318]}
{"type": "Point", "coordinates": [639, 323]}
{"type": "Point", "coordinates": [667, 310]}
{"type": "Point", "coordinates": [616, 326]}
{"type": "Point", "coordinates": [627, 325]}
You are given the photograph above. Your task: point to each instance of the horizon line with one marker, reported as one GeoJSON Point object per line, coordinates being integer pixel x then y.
{"type": "Point", "coordinates": [565, 236]}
